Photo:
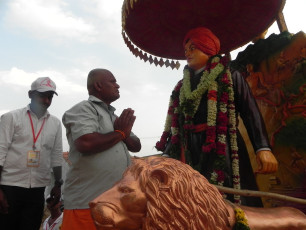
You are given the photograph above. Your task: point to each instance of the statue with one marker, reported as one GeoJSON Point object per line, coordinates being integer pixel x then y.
{"type": "Point", "coordinates": [164, 193]}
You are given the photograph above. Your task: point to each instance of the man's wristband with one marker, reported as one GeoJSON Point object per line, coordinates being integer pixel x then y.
{"type": "Point", "coordinates": [59, 183]}
{"type": "Point", "coordinates": [122, 133]}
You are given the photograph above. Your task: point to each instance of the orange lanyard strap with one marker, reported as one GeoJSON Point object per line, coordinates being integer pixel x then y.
{"type": "Point", "coordinates": [33, 132]}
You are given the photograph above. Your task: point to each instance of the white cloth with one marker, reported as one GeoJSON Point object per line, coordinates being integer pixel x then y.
{"type": "Point", "coordinates": [16, 139]}
{"type": "Point", "coordinates": [56, 224]}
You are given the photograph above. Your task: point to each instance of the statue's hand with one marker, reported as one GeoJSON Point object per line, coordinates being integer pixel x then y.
{"type": "Point", "coordinates": [266, 161]}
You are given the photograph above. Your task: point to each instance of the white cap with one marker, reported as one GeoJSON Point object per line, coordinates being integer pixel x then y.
{"type": "Point", "coordinates": [43, 84]}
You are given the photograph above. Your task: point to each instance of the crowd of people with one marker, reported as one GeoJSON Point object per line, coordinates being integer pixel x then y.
{"type": "Point", "coordinates": [201, 130]}
{"type": "Point", "coordinates": [31, 155]}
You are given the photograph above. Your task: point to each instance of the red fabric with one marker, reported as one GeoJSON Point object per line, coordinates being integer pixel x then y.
{"type": "Point", "coordinates": [200, 128]}
{"type": "Point", "coordinates": [204, 40]}
{"type": "Point", "coordinates": [158, 27]}
{"type": "Point", "coordinates": [78, 219]}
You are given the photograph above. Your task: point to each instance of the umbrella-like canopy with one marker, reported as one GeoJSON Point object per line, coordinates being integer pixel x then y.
{"type": "Point", "coordinates": [157, 27]}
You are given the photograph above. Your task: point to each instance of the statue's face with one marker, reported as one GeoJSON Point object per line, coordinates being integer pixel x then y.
{"type": "Point", "coordinates": [196, 59]}
{"type": "Point", "coordinates": [123, 207]}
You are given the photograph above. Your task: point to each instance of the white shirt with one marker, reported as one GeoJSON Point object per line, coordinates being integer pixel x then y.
{"type": "Point", "coordinates": [56, 224]}
{"type": "Point", "coordinates": [16, 139]}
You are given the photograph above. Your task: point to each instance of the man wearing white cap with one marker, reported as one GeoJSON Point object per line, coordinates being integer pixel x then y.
{"type": "Point", "coordinates": [30, 145]}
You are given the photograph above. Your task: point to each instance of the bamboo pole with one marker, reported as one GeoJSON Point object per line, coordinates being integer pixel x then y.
{"type": "Point", "coordinates": [281, 22]}
{"type": "Point", "coordinates": [243, 192]}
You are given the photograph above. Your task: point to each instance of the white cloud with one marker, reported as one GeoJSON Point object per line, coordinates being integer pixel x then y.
{"type": "Point", "coordinates": [18, 78]}
{"type": "Point", "coordinates": [294, 14]}
{"type": "Point", "coordinates": [49, 20]}
{"type": "Point", "coordinates": [104, 9]}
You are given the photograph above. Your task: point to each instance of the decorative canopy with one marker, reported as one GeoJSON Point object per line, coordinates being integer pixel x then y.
{"type": "Point", "coordinates": [158, 27]}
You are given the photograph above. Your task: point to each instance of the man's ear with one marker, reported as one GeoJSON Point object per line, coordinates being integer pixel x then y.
{"type": "Point", "coordinates": [30, 93]}
{"type": "Point", "coordinates": [98, 86]}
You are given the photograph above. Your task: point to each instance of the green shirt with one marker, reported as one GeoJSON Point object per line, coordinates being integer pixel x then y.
{"type": "Point", "coordinates": [91, 174]}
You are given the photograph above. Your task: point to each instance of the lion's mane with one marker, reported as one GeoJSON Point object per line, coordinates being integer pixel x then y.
{"type": "Point", "coordinates": [184, 200]}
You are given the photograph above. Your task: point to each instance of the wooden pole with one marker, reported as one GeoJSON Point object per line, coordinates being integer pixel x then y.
{"type": "Point", "coordinates": [243, 192]}
{"type": "Point", "coordinates": [281, 22]}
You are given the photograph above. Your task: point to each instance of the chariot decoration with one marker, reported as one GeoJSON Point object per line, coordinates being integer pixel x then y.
{"type": "Point", "coordinates": [274, 67]}
{"type": "Point", "coordinates": [153, 30]}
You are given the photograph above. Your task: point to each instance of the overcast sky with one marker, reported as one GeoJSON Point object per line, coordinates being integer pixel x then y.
{"type": "Point", "coordinates": [65, 39]}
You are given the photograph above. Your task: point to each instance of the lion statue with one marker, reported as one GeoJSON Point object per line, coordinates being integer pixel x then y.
{"type": "Point", "coordinates": [158, 193]}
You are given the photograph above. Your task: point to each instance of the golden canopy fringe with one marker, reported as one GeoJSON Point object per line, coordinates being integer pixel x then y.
{"type": "Point", "coordinates": [127, 6]}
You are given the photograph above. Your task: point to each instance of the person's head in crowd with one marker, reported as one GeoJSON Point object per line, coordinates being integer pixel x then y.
{"type": "Point", "coordinates": [55, 205]}
{"type": "Point", "coordinates": [41, 95]}
{"type": "Point", "coordinates": [102, 84]}
{"type": "Point", "coordinates": [199, 45]}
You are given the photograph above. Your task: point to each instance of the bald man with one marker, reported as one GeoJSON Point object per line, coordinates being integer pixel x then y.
{"type": "Point", "coordinates": [201, 127]}
{"type": "Point", "coordinates": [99, 144]}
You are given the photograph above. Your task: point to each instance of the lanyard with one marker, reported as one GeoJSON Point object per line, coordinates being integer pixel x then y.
{"type": "Point", "coordinates": [52, 225]}
{"type": "Point", "coordinates": [33, 132]}
{"type": "Point", "coordinates": [55, 222]}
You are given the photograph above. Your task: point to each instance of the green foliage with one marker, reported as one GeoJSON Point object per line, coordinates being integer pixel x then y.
{"type": "Point", "coordinates": [293, 134]}
{"type": "Point", "coordinates": [259, 51]}
{"type": "Point", "coordinates": [240, 226]}
{"type": "Point", "coordinates": [293, 85]}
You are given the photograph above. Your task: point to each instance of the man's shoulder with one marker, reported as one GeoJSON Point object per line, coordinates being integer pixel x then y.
{"type": "Point", "coordinates": [79, 105]}
{"type": "Point", "coordinates": [15, 112]}
{"type": "Point", "coordinates": [79, 108]}
{"type": "Point", "coordinates": [237, 77]}
{"type": "Point", "coordinates": [19, 110]}
{"type": "Point", "coordinates": [178, 85]}
{"type": "Point", "coordinates": [235, 72]}
{"type": "Point", "coordinates": [54, 118]}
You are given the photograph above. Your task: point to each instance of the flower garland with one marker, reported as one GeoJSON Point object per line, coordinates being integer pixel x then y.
{"type": "Point", "coordinates": [241, 221]}
{"type": "Point", "coordinates": [194, 97]}
{"type": "Point", "coordinates": [221, 118]}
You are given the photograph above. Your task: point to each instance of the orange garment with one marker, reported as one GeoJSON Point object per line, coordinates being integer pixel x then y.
{"type": "Point", "coordinates": [78, 219]}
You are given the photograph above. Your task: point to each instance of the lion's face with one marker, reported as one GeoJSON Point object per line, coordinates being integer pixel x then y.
{"type": "Point", "coordinates": [121, 207]}
{"type": "Point", "coordinates": [160, 193]}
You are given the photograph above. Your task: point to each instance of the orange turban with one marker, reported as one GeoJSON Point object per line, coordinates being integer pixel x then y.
{"type": "Point", "coordinates": [204, 40]}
